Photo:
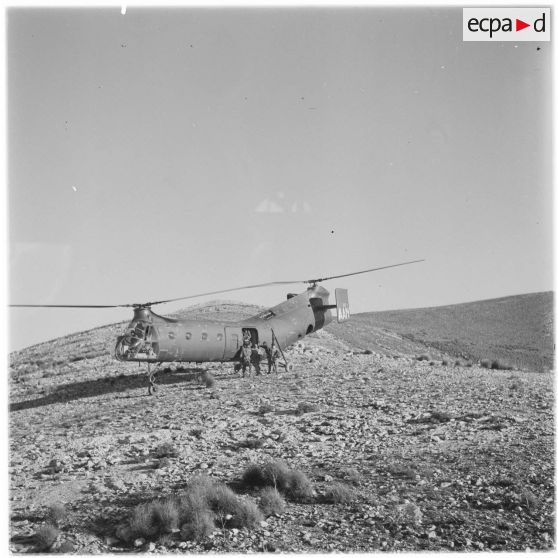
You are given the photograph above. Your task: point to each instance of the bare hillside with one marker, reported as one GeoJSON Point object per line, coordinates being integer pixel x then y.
{"type": "Point", "coordinates": [516, 329]}
{"type": "Point", "coordinates": [398, 454]}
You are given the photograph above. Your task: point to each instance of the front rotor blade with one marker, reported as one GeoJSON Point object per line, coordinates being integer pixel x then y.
{"type": "Point", "coordinates": [70, 305]}
{"type": "Point", "coordinates": [227, 291]}
{"type": "Point", "coordinates": [359, 272]}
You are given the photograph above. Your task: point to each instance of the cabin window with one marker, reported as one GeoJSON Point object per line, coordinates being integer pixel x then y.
{"type": "Point", "coordinates": [267, 315]}
{"type": "Point", "coordinates": [172, 335]}
{"type": "Point", "coordinates": [204, 336]}
{"type": "Point", "coordinates": [219, 337]}
{"type": "Point", "coordinates": [188, 336]}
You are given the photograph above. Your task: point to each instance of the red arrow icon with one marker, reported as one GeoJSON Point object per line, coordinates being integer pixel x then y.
{"type": "Point", "coordinates": [519, 25]}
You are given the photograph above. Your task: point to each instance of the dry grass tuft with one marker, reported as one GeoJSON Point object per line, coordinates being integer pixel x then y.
{"type": "Point", "coordinates": [46, 536]}
{"type": "Point", "coordinates": [424, 356]}
{"type": "Point", "coordinates": [252, 443]}
{"type": "Point", "coordinates": [339, 493]}
{"type": "Point", "coordinates": [294, 484]}
{"type": "Point", "coordinates": [500, 365]}
{"type": "Point", "coordinates": [528, 499]}
{"type": "Point", "coordinates": [245, 515]}
{"type": "Point", "coordinates": [199, 527]}
{"type": "Point", "coordinates": [407, 514]}
{"type": "Point", "coordinates": [352, 476]}
{"type": "Point", "coordinates": [56, 514]}
{"type": "Point", "coordinates": [402, 471]}
{"type": "Point", "coordinates": [142, 522]}
{"type": "Point", "coordinates": [299, 487]}
{"type": "Point", "coordinates": [271, 502]}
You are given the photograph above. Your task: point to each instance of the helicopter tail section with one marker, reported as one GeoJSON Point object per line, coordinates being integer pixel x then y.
{"type": "Point", "coordinates": [342, 305]}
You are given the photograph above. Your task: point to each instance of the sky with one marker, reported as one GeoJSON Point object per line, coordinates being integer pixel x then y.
{"type": "Point", "coordinates": [174, 151]}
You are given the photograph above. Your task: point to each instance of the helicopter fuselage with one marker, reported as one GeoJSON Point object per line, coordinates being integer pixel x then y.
{"type": "Point", "coordinates": [153, 338]}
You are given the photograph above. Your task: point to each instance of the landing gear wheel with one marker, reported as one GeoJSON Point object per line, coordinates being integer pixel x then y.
{"type": "Point", "coordinates": [152, 389]}
{"type": "Point", "coordinates": [289, 366]}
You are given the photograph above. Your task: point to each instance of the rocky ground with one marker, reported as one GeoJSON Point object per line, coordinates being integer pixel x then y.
{"type": "Point", "coordinates": [438, 457]}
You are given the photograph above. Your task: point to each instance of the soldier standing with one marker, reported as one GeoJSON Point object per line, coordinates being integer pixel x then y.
{"type": "Point", "coordinates": [255, 359]}
{"type": "Point", "coordinates": [246, 357]}
{"type": "Point", "coordinates": [271, 357]}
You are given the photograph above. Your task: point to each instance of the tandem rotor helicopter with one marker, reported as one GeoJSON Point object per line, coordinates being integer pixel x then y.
{"type": "Point", "coordinates": [155, 339]}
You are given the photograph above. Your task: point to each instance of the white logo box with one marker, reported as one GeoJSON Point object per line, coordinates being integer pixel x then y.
{"type": "Point", "coordinates": [506, 24]}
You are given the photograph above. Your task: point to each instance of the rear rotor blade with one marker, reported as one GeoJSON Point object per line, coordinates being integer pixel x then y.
{"type": "Point", "coordinates": [226, 291]}
{"type": "Point", "coordinates": [359, 272]}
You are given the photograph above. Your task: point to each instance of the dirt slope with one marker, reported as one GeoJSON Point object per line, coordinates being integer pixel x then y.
{"type": "Point", "coordinates": [516, 329]}
{"type": "Point", "coordinates": [468, 450]}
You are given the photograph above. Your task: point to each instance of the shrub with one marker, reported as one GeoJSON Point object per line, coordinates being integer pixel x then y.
{"type": "Point", "coordinates": [154, 518]}
{"type": "Point", "coordinates": [403, 471]}
{"type": "Point", "coordinates": [222, 500]}
{"type": "Point", "coordinates": [66, 548]}
{"type": "Point", "coordinates": [56, 514]}
{"type": "Point", "coordinates": [252, 443]}
{"type": "Point", "coordinates": [271, 502]}
{"type": "Point", "coordinates": [339, 493]}
{"type": "Point", "coordinates": [199, 527]}
{"type": "Point", "coordinates": [166, 449]}
{"type": "Point", "coordinates": [299, 487]}
{"type": "Point", "coordinates": [407, 514]}
{"type": "Point", "coordinates": [142, 522]}
{"type": "Point", "coordinates": [46, 536]}
{"type": "Point", "coordinates": [424, 356]}
{"type": "Point", "coordinates": [499, 365]}
{"type": "Point", "coordinates": [352, 476]}
{"type": "Point", "coordinates": [445, 362]}
{"type": "Point", "coordinates": [272, 473]}
{"type": "Point", "coordinates": [294, 484]}
{"type": "Point", "coordinates": [278, 475]}
{"type": "Point", "coordinates": [458, 363]}
{"type": "Point", "coordinates": [205, 496]}
{"type": "Point", "coordinates": [165, 540]}
{"type": "Point", "coordinates": [166, 515]}
{"type": "Point", "coordinates": [246, 514]}
{"type": "Point", "coordinates": [528, 499]}
{"type": "Point", "coordinates": [191, 504]}
{"type": "Point", "coordinates": [486, 363]}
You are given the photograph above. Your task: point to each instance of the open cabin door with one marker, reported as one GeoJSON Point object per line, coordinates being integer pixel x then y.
{"type": "Point", "coordinates": [233, 342]}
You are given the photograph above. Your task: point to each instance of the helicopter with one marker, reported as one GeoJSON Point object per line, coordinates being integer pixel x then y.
{"type": "Point", "coordinates": [154, 339]}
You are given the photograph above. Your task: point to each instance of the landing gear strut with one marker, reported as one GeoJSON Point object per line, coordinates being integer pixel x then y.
{"type": "Point", "coordinates": [289, 366]}
{"type": "Point", "coordinates": [151, 376]}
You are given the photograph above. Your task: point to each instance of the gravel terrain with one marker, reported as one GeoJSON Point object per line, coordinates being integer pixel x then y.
{"type": "Point", "coordinates": [436, 456]}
